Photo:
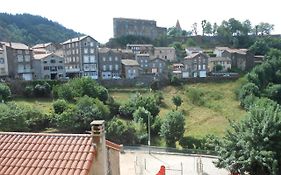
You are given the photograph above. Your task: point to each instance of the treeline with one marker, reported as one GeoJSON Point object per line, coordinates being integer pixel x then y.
{"type": "Point", "coordinates": [30, 29]}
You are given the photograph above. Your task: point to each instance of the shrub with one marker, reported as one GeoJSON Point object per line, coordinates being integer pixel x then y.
{"type": "Point", "coordinates": [5, 92]}
{"type": "Point", "coordinates": [60, 106]}
{"type": "Point", "coordinates": [196, 96]}
{"type": "Point", "coordinates": [28, 91]}
{"type": "Point", "coordinates": [42, 90]}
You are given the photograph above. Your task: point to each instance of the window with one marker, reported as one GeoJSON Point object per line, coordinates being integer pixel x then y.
{"type": "Point", "coordinates": [45, 61]}
{"type": "Point", "coordinates": [116, 66]}
{"type": "Point", "coordinates": [116, 58]}
{"type": "Point", "coordinates": [103, 59]}
{"type": "Point", "coordinates": [92, 44]}
{"type": "Point", "coordinates": [19, 51]}
{"type": "Point", "coordinates": [104, 67]}
{"type": "Point", "coordinates": [153, 65]}
{"type": "Point", "coordinates": [145, 61]}
{"type": "Point", "coordinates": [160, 64]}
{"type": "Point", "coordinates": [46, 68]}
{"type": "Point", "coordinates": [204, 66]}
{"type": "Point", "coordinates": [60, 61]}
{"type": "Point", "coordinates": [92, 51]}
{"type": "Point", "coordinates": [110, 67]}
{"type": "Point", "coordinates": [20, 58]}
{"type": "Point", "coordinates": [53, 61]}
{"type": "Point", "coordinates": [60, 67]}
{"type": "Point", "coordinates": [1, 60]}
{"type": "Point", "coordinates": [92, 59]}
{"type": "Point", "coordinates": [27, 58]}
{"type": "Point", "coordinates": [110, 59]}
{"type": "Point", "coordinates": [85, 50]}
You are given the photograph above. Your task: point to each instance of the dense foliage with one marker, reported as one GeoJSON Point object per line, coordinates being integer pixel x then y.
{"type": "Point", "coordinates": [80, 87]}
{"type": "Point", "coordinates": [5, 92]}
{"type": "Point", "coordinates": [32, 29]}
{"type": "Point", "coordinates": [253, 145]}
{"type": "Point", "coordinates": [172, 129]}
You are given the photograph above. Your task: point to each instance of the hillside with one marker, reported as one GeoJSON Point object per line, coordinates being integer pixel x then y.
{"type": "Point", "coordinates": [212, 117]}
{"type": "Point", "coordinates": [30, 29]}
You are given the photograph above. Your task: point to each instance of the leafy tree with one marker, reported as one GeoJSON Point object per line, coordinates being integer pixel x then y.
{"type": "Point", "coordinates": [177, 101]}
{"type": "Point", "coordinates": [253, 145]}
{"type": "Point", "coordinates": [260, 47]}
{"type": "Point", "coordinates": [215, 29]}
{"type": "Point", "coordinates": [5, 92]}
{"type": "Point", "coordinates": [273, 54]}
{"type": "Point", "coordinates": [172, 128]}
{"type": "Point", "coordinates": [265, 28]}
{"type": "Point", "coordinates": [203, 24]}
{"type": "Point", "coordinates": [80, 87]}
{"type": "Point", "coordinates": [217, 68]}
{"type": "Point", "coordinates": [248, 90]}
{"type": "Point", "coordinates": [78, 117]}
{"type": "Point", "coordinates": [194, 29]}
{"type": "Point", "coordinates": [208, 28]}
{"type": "Point", "coordinates": [246, 27]}
{"type": "Point", "coordinates": [124, 132]}
{"type": "Point", "coordinates": [60, 106]}
{"type": "Point", "coordinates": [142, 115]}
{"type": "Point", "coordinates": [42, 90]}
{"type": "Point", "coordinates": [273, 91]}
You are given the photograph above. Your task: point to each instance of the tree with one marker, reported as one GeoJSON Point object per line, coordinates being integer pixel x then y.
{"type": "Point", "coordinates": [217, 68]}
{"type": "Point", "coordinates": [142, 115]}
{"type": "Point", "coordinates": [215, 29]}
{"type": "Point", "coordinates": [60, 106]}
{"type": "Point", "coordinates": [203, 24]}
{"type": "Point", "coordinates": [273, 54]}
{"type": "Point", "coordinates": [260, 47]}
{"type": "Point", "coordinates": [253, 145]}
{"type": "Point", "coordinates": [177, 101]}
{"type": "Point", "coordinates": [208, 28]}
{"type": "Point", "coordinates": [194, 29]}
{"type": "Point", "coordinates": [172, 128]}
{"type": "Point", "coordinates": [265, 28]}
{"type": "Point", "coordinates": [5, 92]}
{"type": "Point", "coordinates": [246, 27]}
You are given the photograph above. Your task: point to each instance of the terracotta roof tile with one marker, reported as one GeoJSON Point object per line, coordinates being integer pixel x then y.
{"type": "Point", "coordinates": [38, 153]}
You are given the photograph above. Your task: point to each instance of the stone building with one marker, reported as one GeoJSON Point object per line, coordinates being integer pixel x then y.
{"type": "Point", "coordinates": [137, 27]}
{"type": "Point", "coordinates": [19, 60]}
{"type": "Point", "coordinates": [130, 68]}
{"type": "Point", "coordinates": [48, 66]}
{"type": "Point", "coordinates": [195, 65]}
{"type": "Point", "coordinates": [110, 63]}
{"type": "Point", "coordinates": [165, 53]}
{"type": "Point", "coordinates": [3, 63]}
{"type": "Point", "coordinates": [81, 57]}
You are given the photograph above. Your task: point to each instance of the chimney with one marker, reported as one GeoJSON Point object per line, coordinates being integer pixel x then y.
{"type": "Point", "coordinates": [98, 137]}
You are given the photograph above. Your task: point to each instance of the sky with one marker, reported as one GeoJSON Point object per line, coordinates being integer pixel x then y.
{"type": "Point", "coordinates": [95, 17]}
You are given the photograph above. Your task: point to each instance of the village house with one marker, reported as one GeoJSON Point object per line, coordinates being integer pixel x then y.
{"type": "Point", "coordinates": [130, 68]}
{"type": "Point", "coordinates": [223, 61]}
{"type": "Point", "coordinates": [218, 51]}
{"type": "Point", "coordinates": [166, 53]}
{"type": "Point", "coordinates": [143, 60]}
{"type": "Point", "coordinates": [158, 66]}
{"type": "Point", "coordinates": [81, 57]}
{"type": "Point", "coordinates": [192, 50]}
{"type": "Point", "coordinates": [3, 63]}
{"type": "Point", "coordinates": [240, 58]}
{"type": "Point", "coordinates": [195, 65]}
{"type": "Point", "coordinates": [110, 63]}
{"type": "Point", "coordinates": [44, 48]}
{"type": "Point", "coordinates": [48, 66]}
{"type": "Point", "coordinates": [19, 60]}
{"type": "Point", "coordinates": [178, 69]}
{"type": "Point", "coordinates": [141, 48]}
{"type": "Point", "coordinates": [59, 154]}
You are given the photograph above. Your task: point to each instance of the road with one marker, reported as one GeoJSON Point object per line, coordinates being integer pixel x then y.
{"type": "Point", "coordinates": [134, 162]}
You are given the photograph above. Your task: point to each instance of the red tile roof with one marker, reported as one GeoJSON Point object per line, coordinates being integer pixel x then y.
{"type": "Point", "coordinates": [39, 153]}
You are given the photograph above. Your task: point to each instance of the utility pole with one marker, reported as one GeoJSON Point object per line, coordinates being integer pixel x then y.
{"type": "Point", "coordinates": [148, 141]}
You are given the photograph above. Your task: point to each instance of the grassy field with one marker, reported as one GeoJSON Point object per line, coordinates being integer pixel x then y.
{"type": "Point", "coordinates": [211, 118]}
{"type": "Point", "coordinates": [42, 104]}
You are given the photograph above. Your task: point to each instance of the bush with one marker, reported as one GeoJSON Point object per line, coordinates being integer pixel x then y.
{"type": "Point", "coordinates": [5, 92]}
{"type": "Point", "coordinates": [175, 81]}
{"type": "Point", "coordinates": [28, 91]}
{"type": "Point", "coordinates": [196, 96]}
{"type": "Point", "coordinates": [42, 90]}
{"type": "Point", "coordinates": [60, 106]}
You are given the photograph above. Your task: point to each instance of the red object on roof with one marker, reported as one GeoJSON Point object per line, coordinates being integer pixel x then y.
{"type": "Point", "coordinates": [40, 153]}
{"type": "Point", "coordinates": [162, 170]}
